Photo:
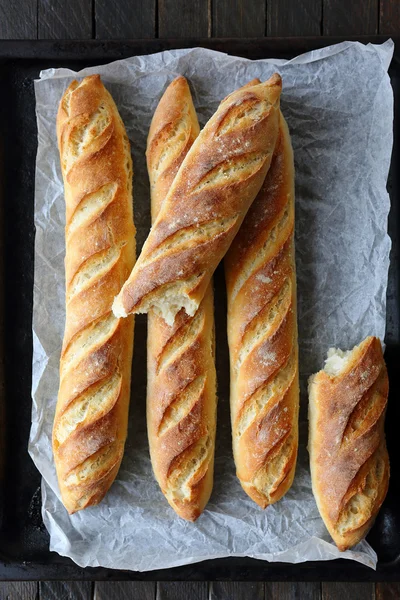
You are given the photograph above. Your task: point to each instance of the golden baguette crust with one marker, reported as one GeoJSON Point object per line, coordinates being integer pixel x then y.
{"type": "Point", "coordinates": [181, 388]}
{"type": "Point", "coordinates": [215, 185]}
{"type": "Point", "coordinates": [173, 130]}
{"type": "Point", "coordinates": [348, 456]}
{"type": "Point", "coordinates": [91, 418]}
{"type": "Point", "coordinates": [262, 335]}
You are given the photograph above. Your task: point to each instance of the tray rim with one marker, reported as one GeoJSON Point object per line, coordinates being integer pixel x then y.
{"type": "Point", "coordinates": [230, 568]}
{"type": "Point", "coordinates": [95, 48]}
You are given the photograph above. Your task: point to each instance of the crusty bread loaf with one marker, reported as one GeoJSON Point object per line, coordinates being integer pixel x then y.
{"type": "Point", "coordinates": [90, 425]}
{"type": "Point", "coordinates": [216, 183]}
{"type": "Point", "coordinates": [181, 388]}
{"type": "Point", "coordinates": [348, 456]}
{"type": "Point", "coordinates": [262, 335]}
{"type": "Point", "coordinates": [173, 130]}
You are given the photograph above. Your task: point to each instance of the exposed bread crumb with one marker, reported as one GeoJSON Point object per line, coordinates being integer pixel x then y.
{"type": "Point", "coordinates": [263, 278]}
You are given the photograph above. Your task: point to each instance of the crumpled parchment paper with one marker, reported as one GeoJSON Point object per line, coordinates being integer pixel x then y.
{"type": "Point", "coordinates": [339, 105]}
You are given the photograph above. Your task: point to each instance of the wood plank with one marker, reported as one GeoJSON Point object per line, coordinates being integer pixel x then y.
{"type": "Point", "coordinates": [184, 18]}
{"type": "Point", "coordinates": [124, 590]}
{"type": "Point", "coordinates": [294, 17]}
{"type": "Point", "coordinates": [19, 590]}
{"type": "Point", "coordinates": [236, 590]}
{"type": "Point", "coordinates": [292, 590]}
{"type": "Point", "coordinates": [387, 591]}
{"type": "Point", "coordinates": [348, 591]}
{"type": "Point", "coordinates": [182, 590]}
{"type": "Point", "coordinates": [389, 17]}
{"type": "Point", "coordinates": [133, 19]}
{"type": "Point", "coordinates": [358, 17]}
{"type": "Point", "coordinates": [58, 19]}
{"type": "Point", "coordinates": [18, 20]}
{"type": "Point", "coordinates": [65, 590]}
{"type": "Point", "coordinates": [238, 18]}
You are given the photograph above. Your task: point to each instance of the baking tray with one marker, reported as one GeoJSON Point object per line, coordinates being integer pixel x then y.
{"type": "Point", "coordinates": [24, 542]}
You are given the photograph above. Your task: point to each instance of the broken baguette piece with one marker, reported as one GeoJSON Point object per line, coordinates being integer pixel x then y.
{"type": "Point", "coordinates": [348, 457]}
{"type": "Point", "coordinates": [206, 204]}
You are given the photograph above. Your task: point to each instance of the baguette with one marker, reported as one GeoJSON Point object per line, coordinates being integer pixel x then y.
{"type": "Point", "coordinates": [262, 335]}
{"type": "Point", "coordinates": [181, 388]}
{"type": "Point", "coordinates": [348, 456]}
{"type": "Point", "coordinates": [91, 418]}
{"type": "Point", "coordinates": [210, 195]}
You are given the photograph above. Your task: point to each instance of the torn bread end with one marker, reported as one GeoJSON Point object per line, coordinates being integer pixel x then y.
{"type": "Point", "coordinates": [168, 310]}
{"type": "Point", "coordinates": [337, 360]}
{"type": "Point", "coordinates": [118, 309]}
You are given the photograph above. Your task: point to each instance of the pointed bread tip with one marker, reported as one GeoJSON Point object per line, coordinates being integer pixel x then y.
{"type": "Point", "coordinates": [180, 80]}
{"type": "Point", "coordinates": [275, 79]}
{"type": "Point", "coordinates": [273, 88]}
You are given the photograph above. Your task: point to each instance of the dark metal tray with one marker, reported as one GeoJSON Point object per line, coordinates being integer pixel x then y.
{"type": "Point", "coordinates": [24, 541]}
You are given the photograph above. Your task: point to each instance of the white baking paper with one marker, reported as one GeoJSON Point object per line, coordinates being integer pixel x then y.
{"type": "Point", "coordinates": [339, 105]}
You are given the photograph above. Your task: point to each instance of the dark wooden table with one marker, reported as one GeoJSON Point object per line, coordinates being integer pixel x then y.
{"type": "Point", "coordinates": [135, 19]}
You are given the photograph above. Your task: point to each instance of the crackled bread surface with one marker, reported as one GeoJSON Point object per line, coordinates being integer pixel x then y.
{"type": "Point", "coordinates": [262, 335]}
{"type": "Point", "coordinates": [181, 389]}
{"type": "Point", "coordinates": [92, 409]}
{"type": "Point", "coordinates": [348, 456]}
{"type": "Point", "coordinates": [206, 203]}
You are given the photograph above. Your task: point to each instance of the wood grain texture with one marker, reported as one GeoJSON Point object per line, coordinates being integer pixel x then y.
{"type": "Point", "coordinates": [184, 18]}
{"type": "Point", "coordinates": [124, 590]}
{"type": "Point", "coordinates": [19, 590]}
{"type": "Point", "coordinates": [238, 18]}
{"type": "Point", "coordinates": [358, 17]}
{"type": "Point", "coordinates": [184, 590]}
{"type": "Point", "coordinates": [292, 591]}
{"type": "Point", "coordinates": [387, 591]}
{"type": "Point", "coordinates": [133, 19]}
{"type": "Point", "coordinates": [65, 590]}
{"type": "Point", "coordinates": [58, 19]}
{"type": "Point", "coordinates": [236, 590]}
{"type": "Point", "coordinates": [294, 17]}
{"type": "Point", "coordinates": [389, 17]}
{"type": "Point", "coordinates": [348, 591]}
{"type": "Point", "coordinates": [18, 19]}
